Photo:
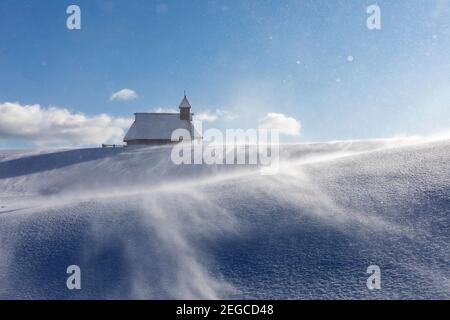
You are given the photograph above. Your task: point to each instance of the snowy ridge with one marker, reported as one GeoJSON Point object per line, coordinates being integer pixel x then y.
{"type": "Point", "coordinates": [142, 227]}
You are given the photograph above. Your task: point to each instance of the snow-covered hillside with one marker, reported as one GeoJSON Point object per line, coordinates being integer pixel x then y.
{"type": "Point", "coordinates": [142, 227]}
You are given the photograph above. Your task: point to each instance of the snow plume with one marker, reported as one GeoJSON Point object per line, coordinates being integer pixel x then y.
{"type": "Point", "coordinates": [278, 121]}
{"type": "Point", "coordinates": [4, 266]}
{"type": "Point", "coordinates": [137, 243]}
{"type": "Point", "coordinates": [141, 227]}
{"type": "Point", "coordinates": [156, 245]}
{"type": "Point", "coordinates": [58, 126]}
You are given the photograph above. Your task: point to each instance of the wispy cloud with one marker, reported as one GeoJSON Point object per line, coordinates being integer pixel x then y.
{"type": "Point", "coordinates": [164, 110]}
{"type": "Point", "coordinates": [206, 116]}
{"type": "Point", "coordinates": [124, 95]}
{"type": "Point", "coordinates": [282, 123]}
{"type": "Point", "coordinates": [218, 114]}
{"type": "Point", "coordinates": [58, 126]}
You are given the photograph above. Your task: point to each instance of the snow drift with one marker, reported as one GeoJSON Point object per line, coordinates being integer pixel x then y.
{"type": "Point", "coordinates": [141, 227]}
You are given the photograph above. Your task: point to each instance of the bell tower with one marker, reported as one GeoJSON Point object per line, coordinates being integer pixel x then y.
{"type": "Point", "coordinates": [185, 109]}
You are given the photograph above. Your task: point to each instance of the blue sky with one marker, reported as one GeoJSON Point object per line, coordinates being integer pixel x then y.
{"type": "Point", "coordinates": [249, 58]}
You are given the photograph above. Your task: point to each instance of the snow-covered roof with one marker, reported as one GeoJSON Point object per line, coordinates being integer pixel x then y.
{"type": "Point", "coordinates": [156, 126]}
{"type": "Point", "coordinates": [185, 103]}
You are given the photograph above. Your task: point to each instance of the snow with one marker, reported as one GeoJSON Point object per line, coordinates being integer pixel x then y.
{"type": "Point", "coordinates": [141, 227]}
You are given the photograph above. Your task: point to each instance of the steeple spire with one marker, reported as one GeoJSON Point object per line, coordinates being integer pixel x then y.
{"type": "Point", "coordinates": [185, 108]}
{"type": "Point", "coordinates": [185, 103]}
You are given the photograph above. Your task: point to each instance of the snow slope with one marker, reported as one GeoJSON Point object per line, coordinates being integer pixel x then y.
{"type": "Point", "coordinates": [141, 227]}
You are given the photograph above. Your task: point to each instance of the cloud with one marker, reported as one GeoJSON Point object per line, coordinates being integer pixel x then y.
{"type": "Point", "coordinates": [278, 121]}
{"type": "Point", "coordinates": [59, 126]}
{"type": "Point", "coordinates": [208, 116]}
{"type": "Point", "coordinates": [124, 95]}
{"type": "Point", "coordinates": [165, 110]}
